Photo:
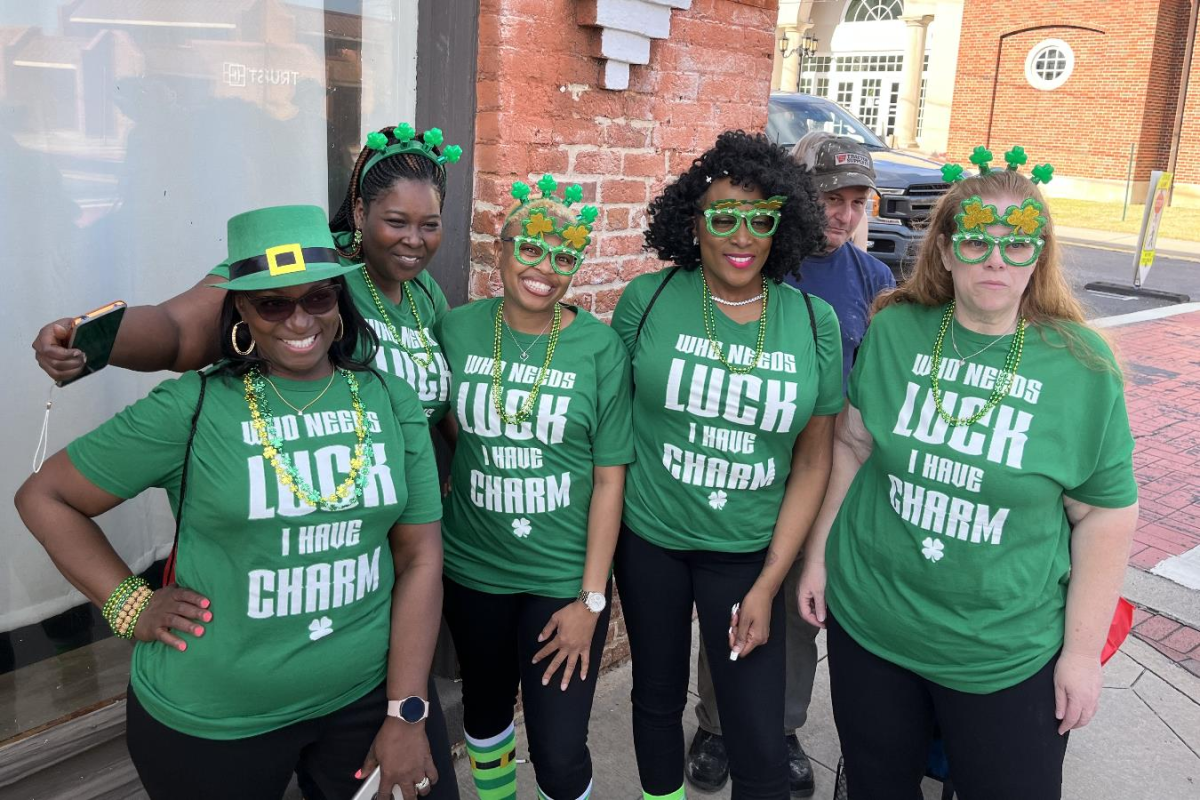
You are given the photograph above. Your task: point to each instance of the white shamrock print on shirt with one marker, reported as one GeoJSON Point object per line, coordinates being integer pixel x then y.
{"type": "Point", "coordinates": [320, 628]}
{"type": "Point", "coordinates": [932, 549]}
{"type": "Point", "coordinates": [717, 499]}
{"type": "Point", "coordinates": [521, 528]}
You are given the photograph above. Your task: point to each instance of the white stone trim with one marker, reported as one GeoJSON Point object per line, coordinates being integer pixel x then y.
{"type": "Point", "coordinates": [627, 26]}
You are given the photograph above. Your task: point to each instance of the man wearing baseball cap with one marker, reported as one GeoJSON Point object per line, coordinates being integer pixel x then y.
{"type": "Point", "coordinates": [848, 279]}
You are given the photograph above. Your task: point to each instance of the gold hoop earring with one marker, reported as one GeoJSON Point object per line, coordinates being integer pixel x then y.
{"type": "Point", "coordinates": [233, 337]}
{"type": "Point", "coordinates": [341, 329]}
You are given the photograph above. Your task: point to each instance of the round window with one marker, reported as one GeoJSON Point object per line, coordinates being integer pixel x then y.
{"type": "Point", "coordinates": [1049, 64]}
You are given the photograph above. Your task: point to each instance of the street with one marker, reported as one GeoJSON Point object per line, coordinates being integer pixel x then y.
{"type": "Point", "coordinates": [1086, 264]}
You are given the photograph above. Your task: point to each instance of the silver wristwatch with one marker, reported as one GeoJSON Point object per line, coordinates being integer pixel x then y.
{"type": "Point", "coordinates": [593, 601]}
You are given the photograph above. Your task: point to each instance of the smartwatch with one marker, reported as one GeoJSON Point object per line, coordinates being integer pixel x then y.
{"type": "Point", "coordinates": [593, 601]}
{"type": "Point", "coordinates": [411, 709]}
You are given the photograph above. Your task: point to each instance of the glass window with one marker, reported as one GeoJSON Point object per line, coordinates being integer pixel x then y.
{"type": "Point", "coordinates": [868, 102]}
{"type": "Point", "coordinates": [823, 87]}
{"type": "Point", "coordinates": [130, 132]}
{"type": "Point", "coordinates": [845, 93]}
{"type": "Point", "coordinates": [873, 10]}
{"type": "Point", "coordinates": [1049, 64]}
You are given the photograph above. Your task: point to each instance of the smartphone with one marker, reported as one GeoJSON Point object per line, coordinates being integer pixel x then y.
{"type": "Point", "coordinates": [369, 789]}
{"type": "Point", "coordinates": [94, 334]}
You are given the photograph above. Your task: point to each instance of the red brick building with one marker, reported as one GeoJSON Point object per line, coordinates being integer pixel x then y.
{"type": "Point", "coordinates": [1078, 82]}
{"type": "Point", "coordinates": [542, 107]}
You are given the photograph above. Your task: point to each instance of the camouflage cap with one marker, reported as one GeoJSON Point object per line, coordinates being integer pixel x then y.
{"type": "Point", "coordinates": [842, 162]}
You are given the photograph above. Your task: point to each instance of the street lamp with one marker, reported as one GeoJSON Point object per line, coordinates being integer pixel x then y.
{"type": "Point", "coordinates": [807, 48]}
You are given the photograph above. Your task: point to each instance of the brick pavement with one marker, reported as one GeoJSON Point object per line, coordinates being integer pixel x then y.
{"type": "Point", "coordinates": [1162, 362]}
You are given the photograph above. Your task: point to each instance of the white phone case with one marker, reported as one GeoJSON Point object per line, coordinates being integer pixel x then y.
{"type": "Point", "coordinates": [371, 786]}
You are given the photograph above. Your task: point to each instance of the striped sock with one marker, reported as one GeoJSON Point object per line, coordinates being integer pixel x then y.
{"type": "Point", "coordinates": [586, 793]}
{"type": "Point", "coordinates": [494, 764]}
{"type": "Point", "coordinates": [678, 794]}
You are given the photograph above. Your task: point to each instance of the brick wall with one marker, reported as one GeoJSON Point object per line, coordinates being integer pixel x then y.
{"type": "Point", "coordinates": [1123, 90]}
{"type": "Point", "coordinates": [540, 109]}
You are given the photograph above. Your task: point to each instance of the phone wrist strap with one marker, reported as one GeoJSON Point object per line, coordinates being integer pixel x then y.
{"type": "Point", "coordinates": [39, 455]}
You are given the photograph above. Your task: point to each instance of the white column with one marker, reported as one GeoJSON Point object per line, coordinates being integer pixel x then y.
{"type": "Point", "coordinates": [910, 80]}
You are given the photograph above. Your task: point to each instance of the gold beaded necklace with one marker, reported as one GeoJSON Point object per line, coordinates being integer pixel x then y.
{"type": "Point", "coordinates": [710, 327]}
{"type": "Point", "coordinates": [526, 409]}
{"type": "Point", "coordinates": [387, 320]}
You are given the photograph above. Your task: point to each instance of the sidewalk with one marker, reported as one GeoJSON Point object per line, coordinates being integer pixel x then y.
{"type": "Point", "coordinates": [1175, 248]}
{"type": "Point", "coordinates": [1145, 740]}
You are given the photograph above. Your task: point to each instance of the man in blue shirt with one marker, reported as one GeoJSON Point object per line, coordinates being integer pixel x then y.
{"type": "Point", "coordinates": [848, 279]}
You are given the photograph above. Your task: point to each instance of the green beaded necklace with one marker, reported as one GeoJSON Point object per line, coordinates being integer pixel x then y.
{"type": "Point", "coordinates": [387, 320]}
{"type": "Point", "coordinates": [285, 468]}
{"type": "Point", "coordinates": [526, 409]}
{"type": "Point", "coordinates": [710, 327]}
{"type": "Point", "coordinates": [1003, 380]}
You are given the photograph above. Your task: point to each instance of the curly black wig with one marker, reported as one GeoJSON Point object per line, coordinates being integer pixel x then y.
{"type": "Point", "coordinates": [753, 162]}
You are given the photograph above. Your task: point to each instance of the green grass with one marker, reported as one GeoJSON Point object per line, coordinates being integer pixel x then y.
{"type": "Point", "coordinates": [1177, 223]}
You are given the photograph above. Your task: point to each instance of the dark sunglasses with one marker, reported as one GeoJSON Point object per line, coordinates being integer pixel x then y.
{"type": "Point", "coordinates": [273, 308]}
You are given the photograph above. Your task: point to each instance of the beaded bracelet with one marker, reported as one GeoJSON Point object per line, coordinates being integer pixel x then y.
{"type": "Point", "coordinates": [121, 602]}
{"type": "Point", "coordinates": [129, 619]}
{"type": "Point", "coordinates": [127, 608]}
{"type": "Point", "coordinates": [120, 594]}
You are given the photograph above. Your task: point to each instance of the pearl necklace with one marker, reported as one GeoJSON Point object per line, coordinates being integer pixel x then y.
{"type": "Point", "coordinates": [736, 303]}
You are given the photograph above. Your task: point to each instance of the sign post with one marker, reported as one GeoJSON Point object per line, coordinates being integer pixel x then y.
{"type": "Point", "coordinates": [1156, 202]}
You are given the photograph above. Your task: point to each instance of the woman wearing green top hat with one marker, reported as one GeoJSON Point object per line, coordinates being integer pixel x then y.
{"type": "Point", "coordinates": [389, 223]}
{"type": "Point", "coordinates": [540, 402]}
{"type": "Point", "coordinates": [300, 628]}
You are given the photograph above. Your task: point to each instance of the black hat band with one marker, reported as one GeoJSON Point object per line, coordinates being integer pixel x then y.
{"type": "Point", "coordinates": [282, 260]}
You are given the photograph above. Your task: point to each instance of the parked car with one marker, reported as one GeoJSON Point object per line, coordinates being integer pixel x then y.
{"type": "Point", "coordinates": [908, 185]}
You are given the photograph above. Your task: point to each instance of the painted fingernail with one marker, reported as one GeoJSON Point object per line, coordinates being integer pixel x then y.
{"type": "Point", "coordinates": [182, 646]}
{"type": "Point", "coordinates": [205, 603]}
{"type": "Point", "coordinates": [198, 630]}
{"type": "Point", "coordinates": [733, 656]}
{"type": "Point", "coordinates": [358, 774]}
{"type": "Point", "coordinates": [206, 616]}
{"type": "Point", "coordinates": [545, 682]}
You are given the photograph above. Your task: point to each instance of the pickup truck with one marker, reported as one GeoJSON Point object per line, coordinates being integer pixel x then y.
{"type": "Point", "coordinates": [908, 185]}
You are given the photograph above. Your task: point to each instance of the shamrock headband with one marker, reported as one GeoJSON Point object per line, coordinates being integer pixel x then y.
{"type": "Point", "coordinates": [576, 235]}
{"type": "Point", "coordinates": [973, 243]}
{"type": "Point", "coordinates": [981, 157]}
{"type": "Point", "coordinates": [403, 139]}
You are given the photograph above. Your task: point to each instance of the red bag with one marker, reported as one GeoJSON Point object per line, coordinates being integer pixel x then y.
{"type": "Point", "coordinates": [1122, 621]}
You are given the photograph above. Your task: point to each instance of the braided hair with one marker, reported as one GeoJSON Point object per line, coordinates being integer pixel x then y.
{"type": "Point", "coordinates": [382, 176]}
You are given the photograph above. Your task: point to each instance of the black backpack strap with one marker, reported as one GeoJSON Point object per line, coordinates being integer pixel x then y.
{"type": "Point", "coordinates": [169, 569]}
{"type": "Point", "coordinates": [812, 320]}
{"type": "Point", "coordinates": [653, 299]}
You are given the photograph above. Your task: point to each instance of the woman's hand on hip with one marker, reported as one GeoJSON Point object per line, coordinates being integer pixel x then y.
{"type": "Point", "coordinates": [750, 623]}
{"type": "Point", "coordinates": [53, 355]}
{"type": "Point", "coordinates": [173, 609]}
{"type": "Point", "coordinates": [810, 593]}
{"type": "Point", "coordinates": [572, 628]}
{"type": "Point", "coordinates": [1077, 682]}
{"type": "Point", "coordinates": [401, 751]}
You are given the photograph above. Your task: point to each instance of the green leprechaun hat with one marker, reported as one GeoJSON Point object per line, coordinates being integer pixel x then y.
{"type": "Point", "coordinates": [271, 248]}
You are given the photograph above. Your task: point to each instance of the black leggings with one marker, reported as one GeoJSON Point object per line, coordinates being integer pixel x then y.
{"type": "Point", "coordinates": [658, 588]}
{"type": "Point", "coordinates": [324, 753]}
{"type": "Point", "coordinates": [496, 638]}
{"type": "Point", "coordinates": [1000, 745]}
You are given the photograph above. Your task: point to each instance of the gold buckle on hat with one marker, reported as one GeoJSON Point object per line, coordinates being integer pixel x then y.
{"type": "Point", "coordinates": [295, 265]}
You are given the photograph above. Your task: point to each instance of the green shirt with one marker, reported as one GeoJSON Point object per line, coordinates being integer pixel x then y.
{"type": "Point", "coordinates": [951, 553]}
{"type": "Point", "coordinates": [432, 383]}
{"type": "Point", "coordinates": [714, 448]}
{"type": "Point", "coordinates": [517, 514]}
{"type": "Point", "coordinates": [301, 598]}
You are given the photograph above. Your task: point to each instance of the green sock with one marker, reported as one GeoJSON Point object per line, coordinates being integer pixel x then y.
{"type": "Point", "coordinates": [494, 764]}
{"type": "Point", "coordinates": [678, 794]}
